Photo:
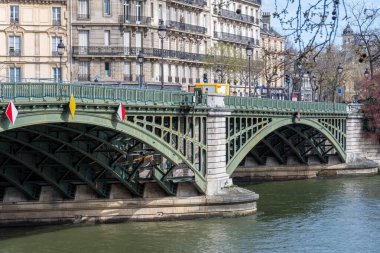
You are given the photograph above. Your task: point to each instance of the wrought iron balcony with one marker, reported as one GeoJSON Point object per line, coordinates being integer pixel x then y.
{"type": "Point", "coordinates": [134, 20]}
{"type": "Point", "coordinates": [234, 15]}
{"type": "Point", "coordinates": [187, 27]}
{"type": "Point", "coordinates": [56, 22]}
{"type": "Point", "coordinates": [14, 52]}
{"type": "Point", "coordinates": [83, 77]}
{"type": "Point", "coordinates": [83, 16]}
{"type": "Point", "coordinates": [133, 51]}
{"type": "Point", "coordinates": [257, 21]}
{"type": "Point", "coordinates": [199, 3]}
{"type": "Point", "coordinates": [14, 20]}
{"type": "Point", "coordinates": [232, 37]}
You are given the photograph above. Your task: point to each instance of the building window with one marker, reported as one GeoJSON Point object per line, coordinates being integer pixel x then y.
{"type": "Point", "coordinates": [160, 12]}
{"type": "Point", "coordinates": [56, 11]}
{"type": "Point", "coordinates": [127, 72]}
{"type": "Point", "coordinates": [14, 14]}
{"type": "Point", "coordinates": [151, 10]}
{"type": "Point", "coordinates": [107, 69]}
{"type": "Point", "coordinates": [138, 11]}
{"type": "Point", "coordinates": [56, 75]}
{"type": "Point", "coordinates": [83, 10]}
{"type": "Point", "coordinates": [54, 44]}
{"type": "Point", "coordinates": [14, 75]}
{"type": "Point", "coordinates": [107, 7]}
{"type": "Point", "coordinates": [14, 45]}
{"type": "Point", "coordinates": [84, 71]}
{"type": "Point", "coordinates": [107, 38]}
{"type": "Point", "coordinates": [205, 20]}
{"type": "Point", "coordinates": [127, 10]}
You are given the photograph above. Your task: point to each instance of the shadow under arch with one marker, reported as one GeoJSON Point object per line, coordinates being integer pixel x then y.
{"type": "Point", "coordinates": [273, 126]}
{"type": "Point", "coordinates": [109, 121]}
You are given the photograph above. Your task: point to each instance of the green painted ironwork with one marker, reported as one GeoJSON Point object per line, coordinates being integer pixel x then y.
{"type": "Point", "coordinates": [13, 176]}
{"type": "Point", "coordinates": [96, 93]}
{"type": "Point", "coordinates": [245, 132]}
{"type": "Point", "coordinates": [168, 122]}
{"type": "Point", "coordinates": [283, 105]}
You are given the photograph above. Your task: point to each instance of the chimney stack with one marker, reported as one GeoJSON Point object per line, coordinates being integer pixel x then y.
{"type": "Point", "coordinates": [266, 20]}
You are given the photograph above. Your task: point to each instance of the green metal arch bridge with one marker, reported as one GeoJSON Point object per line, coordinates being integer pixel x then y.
{"type": "Point", "coordinates": [164, 138]}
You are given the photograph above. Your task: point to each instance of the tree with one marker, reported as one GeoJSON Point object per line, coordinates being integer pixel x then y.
{"type": "Point", "coordinates": [365, 20]}
{"type": "Point", "coordinates": [370, 95]}
{"type": "Point", "coordinates": [225, 58]}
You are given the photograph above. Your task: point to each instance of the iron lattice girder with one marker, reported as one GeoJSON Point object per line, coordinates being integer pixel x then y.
{"type": "Point", "coordinates": [13, 176]}
{"type": "Point", "coordinates": [311, 141]}
{"type": "Point", "coordinates": [290, 144]}
{"type": "Point", "coordinates": [64, 159]}
{"type": "Point", "coordinates": [28, 161]}
{"type": "Point", "coordinates": [333, 134]}
{"type": "Point", "coordinates": [98, 158]}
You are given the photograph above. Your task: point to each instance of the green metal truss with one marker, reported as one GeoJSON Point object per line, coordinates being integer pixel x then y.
{"type": "Point", "coordinates": [244, 133]}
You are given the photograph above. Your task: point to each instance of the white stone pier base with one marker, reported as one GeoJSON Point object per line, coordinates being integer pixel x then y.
{"type": "Point", "coordinates": [217, 178]}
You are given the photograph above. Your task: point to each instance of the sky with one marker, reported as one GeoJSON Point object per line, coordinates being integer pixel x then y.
{"type": "Point", "coordinates": [269, 6]}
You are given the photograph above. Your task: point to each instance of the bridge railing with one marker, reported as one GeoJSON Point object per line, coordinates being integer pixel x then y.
{"type": "Point", "coordinates": [282, 105]}
{"type": "Point", "coordinates": [17, 91]}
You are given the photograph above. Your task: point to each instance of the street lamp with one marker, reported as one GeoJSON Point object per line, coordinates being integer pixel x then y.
{"type": "Point", "coordinates": [219, 73]}
{"type": "Point", "coordinates": [314, 88]}
{"type": "Point", "coordinates": [366, 73]}
{"type": "Point", "coordinates": [162, 30]}
{"type": "Point", "coordinates": [140, 59]}
{"type": "Point", "coordinates": [339, 70]}
{"type": "Point", "coordinates": [249, 51]}
{"type": "Point", "coordinates": [60, 50]}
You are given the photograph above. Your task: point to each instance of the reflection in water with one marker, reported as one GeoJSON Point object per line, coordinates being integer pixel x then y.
{"type": "Point", "coordinates": [339, 215]}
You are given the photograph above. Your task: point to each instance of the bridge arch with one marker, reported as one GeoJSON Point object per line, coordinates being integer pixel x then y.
{"type": "Point", "coordinates": [275, 124]}
{"type": "Point", "coordinates": [104, 119]}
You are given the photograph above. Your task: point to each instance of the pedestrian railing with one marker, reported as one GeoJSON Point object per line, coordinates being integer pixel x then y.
{"type": "Point", "coordinates": [116, 93]}
{"type": "Point", "coordinates": [282, 105]}
{"type": "Point", "coordinates": [105, 93]}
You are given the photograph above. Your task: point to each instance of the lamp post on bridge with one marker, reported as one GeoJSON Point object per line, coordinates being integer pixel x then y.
{"type": "Point", "coordinates": [339, 71]}
{"type": "Point", "coordinates": [249, 51]}
{"type": "Point", "coordinates": [61, 50]}
{"type": "Point", "coordinates": [140, 59]}
{"type": "Point", "coordinates": [162, 30]}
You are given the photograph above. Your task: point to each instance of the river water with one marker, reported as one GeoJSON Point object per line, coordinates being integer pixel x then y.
{"type": "Point", "coordinates": [333, 215]}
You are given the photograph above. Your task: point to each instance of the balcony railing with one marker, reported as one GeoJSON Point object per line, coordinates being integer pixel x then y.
{"type": "Point", "coordinates": [199, 3]}
{"type": "Point", "coordinates": [14, 52]}
{"type": "Point", "coordinates": [133, 51]}
{"type": "Point", "coordinates": [83, 77]}
{"type": "Point", "coordinates": [232, 37]}
{"type": "Point", "coordinates": [254, 1]}
{"type": "Point", "coordinates": [257, 21]}
{"type": "Point", "coordinates": [234, 15]}
{"type": "Point", "coordinates": [56, 22]}
{"type": "Point", "coordinates": [186, 27]}
{"type": "Point", "coordinates": [134, 20]}
{"type": "Point", "coordinates": [128, 78]}
{"type": "Point", "coordinates": [14, 20]}
{"type": "Point", "coordinates": [83, 16]}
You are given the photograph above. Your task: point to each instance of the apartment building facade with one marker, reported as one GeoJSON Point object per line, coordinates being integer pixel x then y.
{"type": "Point", "coordinates": [108, 35]}
{"type": "Point", "coordinates": [30, 32]}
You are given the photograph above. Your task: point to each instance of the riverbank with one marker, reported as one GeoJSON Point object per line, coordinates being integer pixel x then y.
{"type": "Point", "coordinates": [362, 167]}
{"type": "Point", "coordinates": [229, 203]}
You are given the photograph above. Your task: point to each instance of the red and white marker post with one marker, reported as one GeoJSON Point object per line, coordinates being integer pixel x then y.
{"type": "Point", "coordinates": [121, 112]}
{"type": "Point", "coordinates": [11, 112]}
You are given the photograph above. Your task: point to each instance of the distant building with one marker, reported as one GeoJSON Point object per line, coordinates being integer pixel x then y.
{"type": "Point", "coordinates": [272, 54]}
{"type": "Point", "coordinates": [29, 34]}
